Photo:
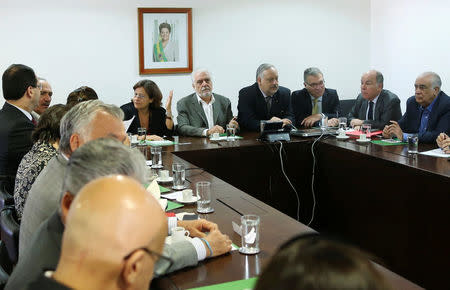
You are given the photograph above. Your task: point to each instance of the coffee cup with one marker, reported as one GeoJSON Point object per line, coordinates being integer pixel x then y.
{"type": "Point", "coordinates": [164, 174]}
{"type": "Point", "coordinates": [187, 194]}
{"type": "Point", "coordinates": [179, 234]}
{"type": "Point", "coordinates": [341, 132]}
{"type": "Point", "coordinates": [215, 135]}
{"type": "Point", "coordinates": [363, 137]}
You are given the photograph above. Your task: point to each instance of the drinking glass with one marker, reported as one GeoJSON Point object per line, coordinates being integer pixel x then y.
{"type": "Point", "coordinates": [231, 133]}
{"type": "Point", "coordinates": [250, 234]}
{"type": "Point", "coordinates": [366, 129]}
{"type": "Point", "coordinates": [204, 197]}
{"type": "Point", "coordinates": [342, 123]}
{"type": "Point", "coordinates": [413, 144]}
{"type": "Point", "coordinates": [178, 172]}
{"type": "Point", "coordinates": [324, 122]}
{"type": "Point", "coordinates": [156, 157]}
{"type": "Point", "coordinates": [142, 134]}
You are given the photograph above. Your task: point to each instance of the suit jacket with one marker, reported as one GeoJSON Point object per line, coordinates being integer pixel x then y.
{"type": "Point", "coordinates": [438, 121]}
{"type": "Point", "coordinates": [156, 122]}
{"type": "Point", "coordinates": [252, 107]}
{"type": "Point", "coordinates": [387, 108]}
{"type": "Point", "coordinates": [192, 119]}
{"type": "Point", "coordinates": [42, 200]}
{"type": "Point", "coordinates": [15, 139]}
{"type": "Point", "coordinates": [302, 105]}
{"type": "Point", "coordinates": [45, 249]}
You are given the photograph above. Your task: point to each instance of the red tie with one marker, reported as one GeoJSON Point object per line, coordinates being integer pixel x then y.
{"type": "Point", "coordinates": [34, 121]}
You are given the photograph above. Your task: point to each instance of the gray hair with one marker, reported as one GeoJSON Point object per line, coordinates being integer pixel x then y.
{"type": "Point", "coordinates": [311, 71]}
{"type": "Point", "coordinates": [78, 118]}
{"type": "Point", "coordinates": [41, 79]}
{"type": "Point", "coordinates": [435, 79]}
{"type": "Point", "coordinates": [379, 77]}
{"type": "Point", "coordinates": [200, 70]}
{"type": "Point", "coordinates": [102, 157]}
{"type": "Point", "coordinates": [262, 68]}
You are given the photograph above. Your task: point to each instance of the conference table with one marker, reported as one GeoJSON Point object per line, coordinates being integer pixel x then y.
{"type": "Point", "coordinates": [378, 198]}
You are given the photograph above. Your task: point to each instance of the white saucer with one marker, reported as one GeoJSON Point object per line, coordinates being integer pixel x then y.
{"type": "Point", "coordinates": [192, 200]}
{"type": "Point", "coordinates": [169, 239]}
{"type": "Point", "coordinates": [342, 137]}
{"type": "Point", "coordinates": [363, 141]}
{"type": "Point", "coordinates": [169, 179]}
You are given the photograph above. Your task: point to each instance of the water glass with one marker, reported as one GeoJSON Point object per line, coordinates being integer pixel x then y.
{"type": "Point", "coordinates": [250, 234]}
{"type": "Point", "coordinates": [366, 129]}
{"type": "Point", "coordinates": [179, 173]}
{"type": "Point", "coordinates": [142, 134]}
{"type": "Point", "coordinates": [231, 133]}
{"type": "Point", "coordinates": [324, 122]}
{"type": "Point", "coordinates": [156, 157]}
{"type": "Point", "coordinates": [413, 144]}
{"type": "Point", "coordinates": [342, 123]}
{"type": "Point", "coordinates": [204, 197]}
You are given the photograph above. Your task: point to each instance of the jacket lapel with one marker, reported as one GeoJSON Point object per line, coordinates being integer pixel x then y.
{"type": "Point", "coordinates": [199, 109]}
{"type": "Point", "coordinates": [216, 111]}
{"type": "Point", "coordinates": [379, 105]}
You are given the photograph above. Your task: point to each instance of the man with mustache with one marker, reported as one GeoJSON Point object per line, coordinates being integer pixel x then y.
{"type": "Point", "coordinates": [45, 99]}
{"type": "Point", "coordinates": [204, 113]}
{"type": "Point", "coordinates": [264, 100]}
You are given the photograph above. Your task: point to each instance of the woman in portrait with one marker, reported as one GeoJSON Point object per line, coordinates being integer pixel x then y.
{"type": "Point", "coordinates": [165, 49]}
{"type": "Point", "coordinates": [147, 111]}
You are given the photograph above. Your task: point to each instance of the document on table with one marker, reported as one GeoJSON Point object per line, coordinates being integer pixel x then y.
{"type": "Point", "coordinates": [127, 123]}
{"type": "Point", "coordinates": [436, 153]}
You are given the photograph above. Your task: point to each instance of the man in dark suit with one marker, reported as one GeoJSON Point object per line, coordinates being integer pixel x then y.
{"type": "Point", "coordinates": [314, 100]}
{"type": "Point", "coordinates": [264, 100]}
{"type": "Point", "coordinates": [374, 105]}
{"type": "Point", "coordinates": [427, 113]}
{"type": "Point", "coordinates": [21, 91]}
{"type": "Point", "coordinates": [204, 113]}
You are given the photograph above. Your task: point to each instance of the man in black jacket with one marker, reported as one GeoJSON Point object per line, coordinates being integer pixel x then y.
{"type": "Point", "coordinates": [264, 100]}
{"type": "Point", "coordinates": [310, 103]}
{"type": "Point", "coordinates": [21, 91]}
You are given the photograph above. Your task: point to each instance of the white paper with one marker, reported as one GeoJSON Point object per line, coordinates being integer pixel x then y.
{"type": "Point", "coordinates": [148, 162]}
{"type": "Point", "coordinates": [153, 188]}
{"type": "Point", "coordinates": [173, 195]}
{"type": "Point", "coordinates": [436, 153]}
{"type": "Point", "coordinates": [127, 123]}
{"type": "Point", "coordinates": [250, 237]}
{"type": "Point", "coordinates": [237, 228]}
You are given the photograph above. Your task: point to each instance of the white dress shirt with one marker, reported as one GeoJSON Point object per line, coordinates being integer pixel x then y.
{"type": "Point", "coordinates": [208, 110]}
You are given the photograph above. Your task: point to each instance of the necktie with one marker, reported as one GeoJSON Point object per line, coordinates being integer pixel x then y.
{"type": "Point", "coordinates": [315, 109]}
{"type": "Point", "coordinates": [370, 114]}
{"type": "Point", "coordinates": [269, 103]}
{"type": "Point", "coordinates": [34, 122]}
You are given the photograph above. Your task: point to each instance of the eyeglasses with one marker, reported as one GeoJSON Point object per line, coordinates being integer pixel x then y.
{"type": "Point", "coordinates": [151, 253]}
{"type": "Point", "coordinates": [38, 85]}
{"type": "Point", "coordinates": [316, 85]}
{"type": "Point", "coordinates": [139, 97]}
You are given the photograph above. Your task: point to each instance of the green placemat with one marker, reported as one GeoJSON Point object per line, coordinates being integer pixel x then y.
{"type": "Point", "coordinates": [163, 189]}
{"type": "Point", "coordinates": [235, 285]}
{"type": "Point", "coordinates": [173, 205]}
{"type": "Point", "coordinates": [384, 143]}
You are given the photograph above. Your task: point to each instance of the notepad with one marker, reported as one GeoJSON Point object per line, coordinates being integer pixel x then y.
{"type": "Point", "coordinates": [234, 285]}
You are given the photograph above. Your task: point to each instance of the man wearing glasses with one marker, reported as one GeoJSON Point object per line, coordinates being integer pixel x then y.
{"type": "Point", "coordinates": [114, 235]}
{"type": "Point", "coordinates": [21, 91]}
{"type": "Point", "coordinates": [374, 105]}
{"type": "Point", "coordinates": [314, 101]}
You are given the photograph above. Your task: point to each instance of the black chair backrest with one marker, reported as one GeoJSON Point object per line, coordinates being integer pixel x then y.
{"type": "Point", "coordinates": [5, 197]}
{"type": "Point", "coordinates": [346, 106]}
{"type": "Point", "coordinates": [9, 230]}
{"type": "Point", "coordinates": [5, 265]}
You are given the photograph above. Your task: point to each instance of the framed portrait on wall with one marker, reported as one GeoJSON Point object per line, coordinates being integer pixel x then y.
{"type": "Point", "coordinates": [165, 40]}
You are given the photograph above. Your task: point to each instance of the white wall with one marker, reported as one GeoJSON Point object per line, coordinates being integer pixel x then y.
{"type": "Point", "coordinates": [94, 43]}
{"type": "Point", "coordinates": [409, 37]}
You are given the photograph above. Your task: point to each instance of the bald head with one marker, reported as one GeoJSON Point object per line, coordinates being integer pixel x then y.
{"type": "Point", "coordinates": [371, 84]}
{"type": "Point", "coordinates": [110, 217]}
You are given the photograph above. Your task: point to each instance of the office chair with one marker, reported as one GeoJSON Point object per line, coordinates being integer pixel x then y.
{"type": "Point", "coordinates": [9, 230]}
{"type": "Point", "coordinates": [5, 197]}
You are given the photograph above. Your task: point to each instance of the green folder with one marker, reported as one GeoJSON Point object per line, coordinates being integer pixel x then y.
{"type": "Point", "coordinates": [173, 205]}
{"type": "Point", "coordinates": [384, 143]}
{"type": "Point", "coordinates": [163, 189]}
{"type": "Point", "coordinates": [234, 285]}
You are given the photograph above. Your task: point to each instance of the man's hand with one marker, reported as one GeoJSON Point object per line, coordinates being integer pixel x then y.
{"type": "Point", "coordinates": [393, 130]}
{"type": "Point", "coordinates": [169, 104]}
{"type": "Point", "coordinates": [234, 123]}
{"type": "Point", "coordinates": [215, 129]}
{"type": "Point", "coordinates": [386, 132]}
{"type": "Point", "coordinates": [443, 141]}
{"type": "Point", "coordinates": [333, 122]}
{"type": "Point", "coordinates": [308, 122]}
{"type": "Point", "coordinates": [154, 138]}
{"type": "Point", "coordinates": [198, 228]}
{"type": "Point", "coordinates": [220, 243]}
{"type": "Point", "coordinates": [356, 122]}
